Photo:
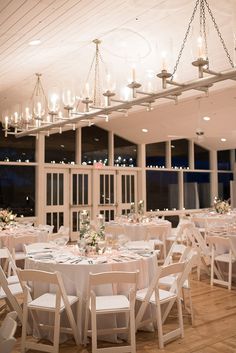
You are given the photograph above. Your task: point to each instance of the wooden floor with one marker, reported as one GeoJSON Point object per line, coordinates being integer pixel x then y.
{"type": "Point", "coordinates": [214, 330]}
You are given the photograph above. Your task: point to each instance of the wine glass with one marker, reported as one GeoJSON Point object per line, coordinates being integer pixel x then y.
{"type": "Point", "coordinates": [109, 242]}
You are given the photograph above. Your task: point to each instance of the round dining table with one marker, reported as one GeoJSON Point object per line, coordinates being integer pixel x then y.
{"type": "Point", "coordinates": [75, 270]}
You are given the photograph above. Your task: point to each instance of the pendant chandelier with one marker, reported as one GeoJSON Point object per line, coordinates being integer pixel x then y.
{"type": "Point", "coordinates": [43, 114]}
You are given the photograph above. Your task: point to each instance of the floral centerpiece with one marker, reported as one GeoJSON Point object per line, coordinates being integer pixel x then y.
{"type": "Point", "coordinates": [101, 226]}
{"type": "Point", "coordinates": [6, 217]}
{"type": "Point", "coordinates": [132, 208]}
{"type": "Point", "coordinates": [221, 206]}
{"type": "Point", "coordinates": [84, 223]}
{"type": "Point", "coordinates": [141, 207]}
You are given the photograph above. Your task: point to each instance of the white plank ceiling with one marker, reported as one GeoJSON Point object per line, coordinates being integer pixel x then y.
{"type": "Point", "coordinates": [132, 32]}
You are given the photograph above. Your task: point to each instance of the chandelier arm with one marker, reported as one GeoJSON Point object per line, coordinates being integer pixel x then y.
{"type": "Point", "coordinates": [219, 34]}
{"type": "Point", "coordinates": [192, 85]}
{"type": "Point", "coordinates": [185, 39]}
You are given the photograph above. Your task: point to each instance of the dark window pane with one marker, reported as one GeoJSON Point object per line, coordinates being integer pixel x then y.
{"type": "Point", "coordinates": [179, 153]}
{"type": "Point", "coordinates": [112, 216]}
{"type": "Point", "coordinates": [75, 188]}
{"type": "Point", "coordinates": [132, 189]}
{"type": "Point", "coordinates": [81, 189]}
{"type": "Point", "coordinates": [156, 154]}
{"type": "Point", "coordinates": [111, 189]}
{"type": "Point", "coordinates": [123, 180]}
{"type": "Point", "coordinates": [102, 196]}
{"type": "Point", "coordinates": [17, 189]}
{"type": "Point", "coordinates": [201, 157]}
{"type": "Point", "coordinates": [54, 221]}
{"type": "Point", "coordinates": [196, 190]}
{"type": "Point", "coordinates": [49, 219]}
{"type": "Point", "coordinates": [49, 188]}
{"type": "Point", "coordinates": [128, 188]}
{"type": "Point", "coordinates": [61, 189]}
{"type": "Point", "coordinates": [125, 152]}
{"type": "Point", "coordinates": [60, 148]}
{"type": "Point", "coordinates": [107, 189]}
{"type": "Point", "coordinates": [85, 189]}
{"type": "Point", "coordinates": [224, 185]}
{"type": "Point", "coordinates": [61, 219]}
{"type": "Point", "coordinates": [55, 189]}
{"type": "Point", "coordinates": [15, 149]}
{"type": "Point", "coordinates": [94, 145]}
{"type": "Point", "coordinates": [75, 216]}
{"type": "Point", "coordinates": [223, 160]}
{"type": "Point", "coordinates": [162, 190]}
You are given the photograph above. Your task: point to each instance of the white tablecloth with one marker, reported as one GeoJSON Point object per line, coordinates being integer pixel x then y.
{"type": "Point", "coordinates": [138, 231]}
{"type": "Point", "coordinates": [75, 277]}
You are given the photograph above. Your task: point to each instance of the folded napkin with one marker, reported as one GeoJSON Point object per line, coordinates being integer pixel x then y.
{"type": "Point", "coordinates": [140, 245]}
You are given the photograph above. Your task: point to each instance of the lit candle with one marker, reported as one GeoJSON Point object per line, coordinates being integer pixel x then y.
{"type": "Point", "coordinates": [200, 47]}
{"type": "Point", "coordinates": [133, 73]}
{"type": "Point", "coordinates": [6, 122]}
{"type": "Point", "coordinates": [87, 90]}
{"type": "Point", "coordinates": [163, 55]}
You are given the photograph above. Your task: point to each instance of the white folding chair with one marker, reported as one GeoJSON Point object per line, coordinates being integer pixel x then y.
{"type": "Point", "coordinates": [158, 234]}
{"type": "Point", "coordinates": [56, 302]}
{"type": "Point", "coordinates": [64, 230]}
{"type": "Point", "coordinates": [17, 242]}
{"type": "Point", "coordinates": [221, 252]}
{"type": "Point", "coordinates": [9, 266]}
{"type": "Point", "coordinates": [195, 238]}
{"type": "Point", "coordinates": [111, 304]}
{"type": "Point", "coordinates": [9, 293]}
{"type": "Point", "coordinates": [47, 227]}
{"type": "Point", "coordinates": [157, 297]}
{"type": "Point", "coordinates": [7, 331]}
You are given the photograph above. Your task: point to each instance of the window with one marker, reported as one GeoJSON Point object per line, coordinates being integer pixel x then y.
{"type": "Point", "coordinates": [223, 160]}
{"type": "Point", "coordinates": [94, 145]}
{"type": "Point", "coordinates": [156, 154]}
{"type": "Point", "coordinates": [196, 190]}
{"type": "Point", "coordinates": [162, 190]}
{"type": "Point", "coordinates": [14, 149]}
{"type": "Point", "coordinates": [17, 189]}
{"type": "Point", "coordinates": [201, 157]}
{"type": "Point", "coordinates": [179, 153]}
{"type": "Point", "coordinates": [125, 152]}
{"type": "Point", "coordinates": [224, 185]}
{"type": "Point", "coordinates": [60, 148]}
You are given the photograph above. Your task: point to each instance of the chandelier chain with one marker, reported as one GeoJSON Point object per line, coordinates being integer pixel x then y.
{"type": "Point", "coordinates": [185, 39]}
{"type": "Point", "coordinates": [203, 27]}
{"type": "Point", "coordinates": [219, 34]}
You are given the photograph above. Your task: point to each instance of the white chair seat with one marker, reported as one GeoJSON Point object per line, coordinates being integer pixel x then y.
{"type": "Point", "coordinates": [12, 279]}
{"type": "Point", "coordinates": [111, 303]}
{"type": "Point", "coordinates": [223, 258]}
{"type": "Point", "coordinates": [163, 294]}
{"type": "Point", "coordinates": [47, 301]}
{"type": "Point", "coordinates": [19, 255]}
{"type": "Point", "coordinates": [14, 289]}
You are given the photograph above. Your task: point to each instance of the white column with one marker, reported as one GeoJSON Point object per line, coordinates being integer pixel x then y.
{"type": "Point", "coordinates": [213, 176]}
{"type": "Point", "coordinates": [168, 154]}
{"type": "Point", "coordinates": [40, 180]}
{"type": "Point", "coordinates": [191, 161]}
{"type": "Point", "coordinates": [142, 175]}
{"type": "Point", "coordinates": [110, 148]}
{"type": "Point", "coordinates": [78, 146]}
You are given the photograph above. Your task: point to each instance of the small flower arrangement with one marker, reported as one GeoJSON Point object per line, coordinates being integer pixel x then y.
{"type": "Point", "coordinates": [132, 208]}
{"type": "Point", "coordinates": [141, 207]}
{"type": "Point", "coordinates": [7, 217]}
{"type": "Point", "coordinates": [84, 223]}
{"type": "Point", "coordinates": [91, 238]}
{"type": "Point", "coordinates": [221, 206]}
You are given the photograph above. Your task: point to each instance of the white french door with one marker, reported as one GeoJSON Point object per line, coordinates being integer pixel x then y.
{"type": "Point", "coordinates": [107, 194]}
{"type": "Point", "coordinates": [80, 198]}
{"type": "Point", "coordinates": [57, 197]}
{"type": "Point", "coordinates": [126, 190]}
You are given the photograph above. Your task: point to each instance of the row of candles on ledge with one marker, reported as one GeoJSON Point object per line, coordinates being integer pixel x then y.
{"type": "Point", "coordinates": [163, 167]}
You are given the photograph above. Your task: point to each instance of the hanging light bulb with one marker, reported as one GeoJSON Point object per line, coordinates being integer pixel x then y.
{"type": "Point", "coordinates": [54, 101]}
{"type": "Point", "coordinates": [39, 99]}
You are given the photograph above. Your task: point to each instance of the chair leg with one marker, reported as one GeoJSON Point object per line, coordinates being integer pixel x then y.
{"type": "Point", "coordinates": [56, 332]}
{"type": "Point", "coordinates": [132, 331]}
{"type": "Point", "coordinates": [180, 315]}
{"type": "Point", "coordinates": [230, 275]}
{"type": "Point", "coordinates": [24, 328]}
{"type": "Point", "coordinates": [94, 331]}
{"type": "Point", "coordinates": [159, 326]}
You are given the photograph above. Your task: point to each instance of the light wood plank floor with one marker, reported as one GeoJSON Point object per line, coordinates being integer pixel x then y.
{"type": "Point", "coordinates": [214, 330]}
